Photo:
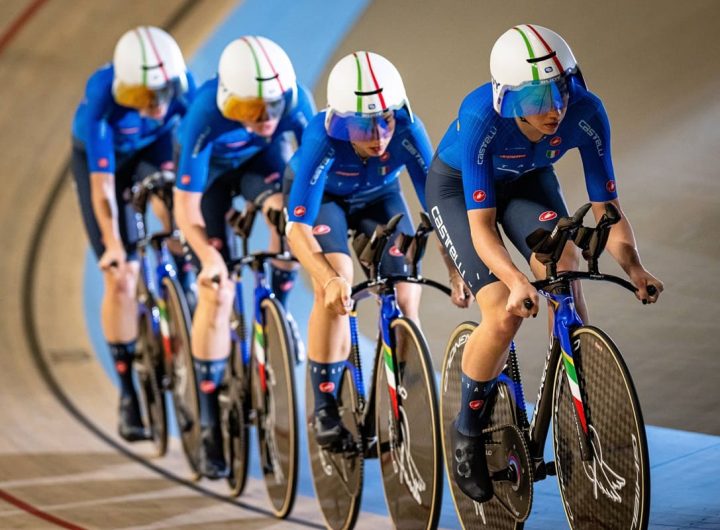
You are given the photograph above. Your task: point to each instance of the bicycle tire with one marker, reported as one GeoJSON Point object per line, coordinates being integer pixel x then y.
{"type": "Point", "coordinates": [411, 460]}
{"type": "Point", "coordinates": [149, 369]}
{"type": "Point", "coordinates": [235, 405]}
{"type": "Point", "coordinates": [181, 370]}
{"type": "Point", "coordinates": [338, 496]}
{"type": "Point", "coordinates": [276, 414]}
{"type": "Point", "coordinates": [619, 497]}
{"type": "Point", "coordinates": [472, 515]}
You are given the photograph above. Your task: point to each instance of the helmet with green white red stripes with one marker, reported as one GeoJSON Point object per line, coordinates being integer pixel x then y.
{"type": "Point", "coordinates": [362, 86]}
{"type": "Point", "coordinates": [148, 67]}
{"type": "Point", "coordinates": [533, 70]}
{"type": "Point", "coordinates": [254, 75]}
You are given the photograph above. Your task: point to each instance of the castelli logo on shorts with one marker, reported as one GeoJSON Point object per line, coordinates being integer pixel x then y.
{"type": "Point", "coordinates": [299, 211]}
{"type": "Point", "coordinates": [285, 287]}
{"type": "Point", "coordinates": [479, 195]}
{"type": "Point", "coordinates": [327, 387]}
{"type": "Point", "coordinates": [547, 216]}
{"type": "Point", "coordinates": [216, 243]}
{"type": "Point", "coordinates": [610, 186]}
{"type": "Point", "coordinates": [272, 177]}
{"type": "Point", "coordinates": [555, 141]}
{"type": "Point", "coordinates": [394, 251]}
{"type": "Point", "coordinates": [103, 162]}
{"type": "Point", "coordinates": [385, 156]}
{"type": "Point", "coordinates": [121, 367]}
{"type": "Point", "coordinates": [185, 179]}
{"type": "Point", "coordinates": [207, 387]}
{"type": "Point", "coordinates": [168, 166]}
{"type": "Point", "coordinates": [320, 230]}
{"type": "Point", "coordinates": [476, 404]}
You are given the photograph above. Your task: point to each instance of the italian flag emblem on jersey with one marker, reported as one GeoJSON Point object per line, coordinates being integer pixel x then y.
{"type": "Point", "coordinates": [552, 153]}
{"type": "Point", "coordinates": [383, 170]}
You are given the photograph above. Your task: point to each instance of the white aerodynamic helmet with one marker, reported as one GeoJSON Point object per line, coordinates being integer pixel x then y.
{"type": "Point", "coordinates": [532, 71]}
{"type": "Point", "coordinates": [148, 68]}
{"type": "Point", "coordinates": [254, 76]}
{"type": "Point", "coordinates": [362, 87]}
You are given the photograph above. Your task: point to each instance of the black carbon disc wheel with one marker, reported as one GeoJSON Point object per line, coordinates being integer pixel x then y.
{"type": "Point", "coordinates": [274, 403]}
{"type": "Point", "coordinates": [409, 448]}
{"type": "Point", "coordinates": [149, 369]}
{"type": "Point", "coordinates": [337, 478]}
{"type": "Point", "coordinates": [181, 370]}
{"type": "Point", "coordinates": [472, 515]}
{"type": "Point", "coordinates": [613, 489]}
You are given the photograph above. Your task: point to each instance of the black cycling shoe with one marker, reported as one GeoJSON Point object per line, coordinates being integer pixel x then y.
{"type": "Point", "coordinates": [330, 433]}
{"type": "Point", "coordinates": [470, 469]}
{"type": "Point", "coordinates": [211, 458]}
{"type": "Point", "coordinates": [130, 425]}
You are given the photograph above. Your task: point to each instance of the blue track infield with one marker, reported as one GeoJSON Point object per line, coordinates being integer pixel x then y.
{"type": "Point", "coordinates": [685, 466]}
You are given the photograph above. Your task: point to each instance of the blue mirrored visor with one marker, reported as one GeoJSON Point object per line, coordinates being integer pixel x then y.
{"type": "Point", "coordinates": [355, 127]}
{"type": "Point", "coordinates": [537, 97]}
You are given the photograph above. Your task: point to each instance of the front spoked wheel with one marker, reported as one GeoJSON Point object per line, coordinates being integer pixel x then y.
{"type": "Point", "coordinates": [181, 369]}
{"type": "Point", "coordinates": [149, 369]}
{"type": "Point", "coordinates": [274, 403]}
{"type": "Point", "coordinates": [472, 515]}
{"type": "Point", "coordinates": [337, 477]}
{"type": "Point", "coordinates": [612, 489]}
{"type": "Point", "coordinates": [409, 446]}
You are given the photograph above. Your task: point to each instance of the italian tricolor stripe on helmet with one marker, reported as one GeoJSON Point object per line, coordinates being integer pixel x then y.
{"type": "Point", "coordinates": [531, 51]}
{"type": "Point", "coordinates": [145, 65]}
{"type": "Point", "coordinates": [258, 69]}
{"type": "Point", "coordinates": [157, 55]}
{"type": "Point", "coordinates": [375, 84]}
{"type": "Point", "coordinates": [144, 57]}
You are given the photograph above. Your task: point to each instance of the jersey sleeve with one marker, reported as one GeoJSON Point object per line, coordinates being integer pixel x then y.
{"type": "Point", "coordinates": [99, 142]}
{"type": "Point", "coordinates": [477, 131]}
{"type": "Point", "coordinates": [195, 146]}
{"type": "Point", "coordinates": [310, 166]}
{"type": "Point", "coordinates": [596, 156]}
{"type": "Point", "coordinates": [419, 154]}
{"type": "Point", "coordinates": [302, 113]}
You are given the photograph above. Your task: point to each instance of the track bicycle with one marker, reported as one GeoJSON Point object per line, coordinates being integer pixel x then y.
{"type": "Point", "coordinates": [600, 447]}
{"type": "Point", "coordinates": [259, 385]}
{"type": "Point", "coordinates": [397, 421]}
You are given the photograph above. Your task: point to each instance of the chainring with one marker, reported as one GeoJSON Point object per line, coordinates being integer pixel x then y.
{"type": "Point", "coordinates": [508, 459]}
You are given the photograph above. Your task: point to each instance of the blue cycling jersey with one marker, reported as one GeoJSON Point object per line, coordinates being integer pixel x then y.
{"type": "Point", "coordinates": [325, 165]}
{"type": "Point", "coordinates": [106, 128]}
{"type": "Point", "coordinates": [206, 135]}
{"type": "Point", "coordinates": [487, 148]}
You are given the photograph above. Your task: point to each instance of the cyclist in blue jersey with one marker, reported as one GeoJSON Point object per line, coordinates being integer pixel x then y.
{"type": "Point", "coordinates": [122, 131]}
{"type": "Point", "coordinates": [345, 176]}
{"type": "Point", "coordinates": [494, 166]}
{"type": "Point", "coordinates": [236, 139]}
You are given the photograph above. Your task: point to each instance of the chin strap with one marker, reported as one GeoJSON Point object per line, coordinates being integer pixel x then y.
{"type": "Point", "coordinates": [522, 119]}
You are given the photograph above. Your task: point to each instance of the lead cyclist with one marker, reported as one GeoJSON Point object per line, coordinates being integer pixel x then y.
{"type": "Point", "coordinates": [494, 166]}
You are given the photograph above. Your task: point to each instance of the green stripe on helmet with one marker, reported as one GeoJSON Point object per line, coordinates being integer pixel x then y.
{"type": "Point", "coordinates": [535, 75]}
{"type": "Point", "coordinates": [144, 57]}
{"type": "Point", "coordinates": [359, 82]}
{"type": "Point", "coordinates": [258, 73]}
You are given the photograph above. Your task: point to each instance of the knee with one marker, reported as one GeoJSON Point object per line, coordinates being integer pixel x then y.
{"type": "Point", "coordinates": [120, 287]}
{"type": "Point", "coordinates": [408, 299]}
{"type": "Point", "coordinates": [570, 259]}
{"type": "Point", "coordinates": [505, 324]}
{"type": "Point", "coordinates": [220, 297]}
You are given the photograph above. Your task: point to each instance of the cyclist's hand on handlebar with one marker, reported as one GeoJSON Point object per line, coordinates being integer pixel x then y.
{"type": "Point", "coordinates": [337, 295]}
{"type": "Point", "coordinates": [214, 272]}
{"type": "Point", "coordinates": [461, 295]}
{"type": "Point", "coordinates": [648, 286]}
{"type": "Point", "coordinates": [113, 259]}
{"type": "Point", "coordinates": [519, 301]}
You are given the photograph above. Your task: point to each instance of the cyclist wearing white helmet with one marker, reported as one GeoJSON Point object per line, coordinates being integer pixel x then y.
{"type": "Point", "coordinates": [345, 176]}
{"type": "Point", "coordinates": [495, 166]}
{"type": "Point", "coordinates": [122, 131]}
{"type": "Point", "coordinates": [236, 139]}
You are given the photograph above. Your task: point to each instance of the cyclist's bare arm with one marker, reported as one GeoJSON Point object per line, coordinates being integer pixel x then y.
{"type": "Point", "coordinates": [460, 296]}
{"type": "Point", "coordinates": [102, 190]}
{"type": "Point", "coordinates": [623, 247]}
{"type": "Point", "coordinates": [491, 250]}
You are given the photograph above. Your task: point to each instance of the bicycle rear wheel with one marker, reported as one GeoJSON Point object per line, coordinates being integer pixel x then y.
{"type": "Point", "coordinates": [274, 403]}
{"type": "Point", "coordinates": [472, 515]}
{"type": "Point", "coordinates": [613, 489]}
{"type": "Point", "coordinates": [235, 403]}
{"type": "Point", "coordinates": [149, 370]}
{"type": "Point", "coordinates": [409, 448]}
{"type": "Point", "coordinates": [180, 368]}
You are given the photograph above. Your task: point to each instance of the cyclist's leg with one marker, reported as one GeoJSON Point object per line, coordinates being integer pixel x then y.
{"type": "Point", "coordinates": [211, 328]}
{"type": "Point", "coordinates": [118, 308]}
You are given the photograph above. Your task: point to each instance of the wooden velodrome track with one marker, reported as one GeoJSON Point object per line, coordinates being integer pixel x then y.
{"type": "Point", "coordinates": [657, 71]}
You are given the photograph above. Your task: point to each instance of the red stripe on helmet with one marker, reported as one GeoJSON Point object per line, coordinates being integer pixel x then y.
{"type": "Point", "coordinates": [547, 47]}
{"type": "Point", "coordinates": [377, 86]}
{"type": "Point", "coordinates": [272, 67]}
{"type": "Point", "coordinates": [157, 55]}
